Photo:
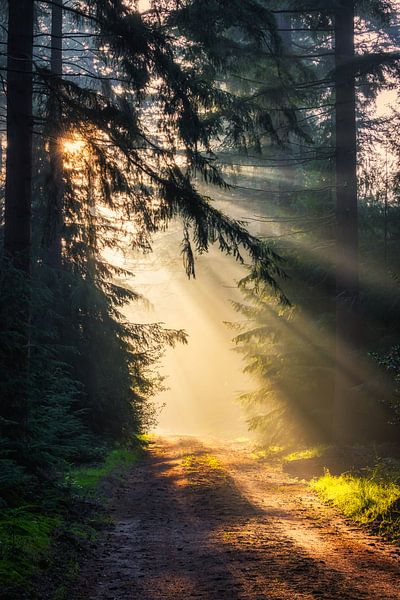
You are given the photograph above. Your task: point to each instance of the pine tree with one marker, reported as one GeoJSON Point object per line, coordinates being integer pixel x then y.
{"type": "Point", "coordinates": [91, 372]}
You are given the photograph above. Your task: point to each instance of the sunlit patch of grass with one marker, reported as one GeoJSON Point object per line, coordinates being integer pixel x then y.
{"type": "Point", "coordinates": [307, 453]}
{"type": "Point", "coordinates": [370, 500]}
{"type": "Point", "coordinates": [87, 479]}
{"type": "Point", "coordinates": [193, 462]}
{"type": "Point", "coordinates": [203, 471]}
{"type": "Point", "coordinates": [266, 453]}
{"type": "Point", "coordinates": [145, 438]}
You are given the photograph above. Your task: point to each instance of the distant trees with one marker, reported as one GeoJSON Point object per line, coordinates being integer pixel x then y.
{"type": "Point", "coordinates": [333, 84]}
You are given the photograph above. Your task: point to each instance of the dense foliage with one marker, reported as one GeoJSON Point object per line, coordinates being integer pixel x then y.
{"type": "Point", "coordinates": [125, 121]}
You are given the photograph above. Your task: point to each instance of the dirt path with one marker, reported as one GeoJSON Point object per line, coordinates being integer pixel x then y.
{"type": "Point", "coordinates": [212, 523]}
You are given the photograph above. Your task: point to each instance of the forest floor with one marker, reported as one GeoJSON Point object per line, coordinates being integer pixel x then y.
{"type": "Point", "coordinates": [207, 521]}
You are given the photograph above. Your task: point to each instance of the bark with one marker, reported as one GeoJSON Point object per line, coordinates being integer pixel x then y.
{"type": "Point", "coordinates": [18, 191]}
{"type": "Point", "coordinates": [346, 225]}
{"type": "Point", "coordinates": [15, 309]}
{"type": "Point", "coordinates": [55, 216]}
{"type": "Point", "coordinates": [287, 171]}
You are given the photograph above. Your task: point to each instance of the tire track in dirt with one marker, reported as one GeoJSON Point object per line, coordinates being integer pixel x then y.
{"type": "Point", "coordinates": [193, 521]}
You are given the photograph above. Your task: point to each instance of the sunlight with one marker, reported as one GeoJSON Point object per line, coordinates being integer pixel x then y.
{"type": "Point", "coordinates": [143, 5]}
{"type": "Point", "coordinates": [73, 145]}
{"type": "Point", "coordinates": [204, 377]}
{"type": "Point", "coordinates": [200, 299]}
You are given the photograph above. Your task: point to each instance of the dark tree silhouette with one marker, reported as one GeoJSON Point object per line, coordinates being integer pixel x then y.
{"type": "Point", "coordinates": [18, 193]}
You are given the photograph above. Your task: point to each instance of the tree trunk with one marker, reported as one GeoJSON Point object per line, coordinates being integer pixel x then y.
{"type": "Point", "coordinates": [346, 224]}
{"type": "Point", "coordinates": [55, 207]}
{"type": "Point", "coordinates": [15, 308]}
{"type": "Point", "coordinates": [286, 172]}
{"type": "Point", "coordinates": [18, 191]}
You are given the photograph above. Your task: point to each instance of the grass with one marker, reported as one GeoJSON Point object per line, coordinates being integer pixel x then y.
{"type": "Point", "coordinates": [203, 471]}
{"type": "Point", "coordinates": [27, 533]}
{"type": "Point", "coordinates": [369, 496]}
{"type": "Point", "coordinates": [372, 500]}
{"type": "Point", "coordinates": [25, 540]}
{"type": "Point", "coordinates": [194, 463]}
{"type": "Point", "coordinates": [307, 453]}
{"type": "Point", "coordinates": [272, 452]}
{"type": "Point", "coordinates": [281, 453]}
{"type": "Point", "coordinates": [87, 479]}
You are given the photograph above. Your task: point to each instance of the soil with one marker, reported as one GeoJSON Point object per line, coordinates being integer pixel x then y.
{"type": "Point", "coordinates": [208, 521]}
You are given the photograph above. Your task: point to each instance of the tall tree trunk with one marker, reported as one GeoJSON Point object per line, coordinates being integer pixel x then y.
{"type": "Point", "coordinates": [55, 210]}
{"type": "Point", "coordinates": [346, 224]}
{"type": "Point", "coordinates": [18, 192]}
{"type": "Point", "coordinates": [286, 171]}
{"type": "Point", "coordinates": [15, 307]}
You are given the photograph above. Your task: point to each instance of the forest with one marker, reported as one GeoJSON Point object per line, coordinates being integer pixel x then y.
{"type": "Point", "coordinates": [199, 299]}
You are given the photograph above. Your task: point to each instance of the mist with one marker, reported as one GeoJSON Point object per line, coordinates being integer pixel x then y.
{"type": "Point", "coordinates": [205, 376]}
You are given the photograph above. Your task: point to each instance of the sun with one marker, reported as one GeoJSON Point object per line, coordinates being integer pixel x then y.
{"type": "Point", "coordinates": [73, 145]}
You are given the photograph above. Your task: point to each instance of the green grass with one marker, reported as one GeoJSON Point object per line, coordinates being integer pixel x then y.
{"type": "Point", "coordinates": [25, 539]}
{"type": "Point", "coordinates": [372, 500]}
{"type": "Point", "coordinates": [271, 452]}
{"type": "Point", "coordinates": [194, 463]}
{"type": "Point", "coordinates": [86, 479]}
{"type": "Point", "coordinates": [27, 533]}
{"type": "Point", "coordinates": [313, 452]}
{"type": "Point", "coordinates": [282, 454]}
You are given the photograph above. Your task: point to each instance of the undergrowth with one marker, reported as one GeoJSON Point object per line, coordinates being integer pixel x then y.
{"type": "Point", "coordinates": [25, 540]}
{"type": "Point", "coordinates": [288, 454]}
{"type": "Point", "coordinates": [86, 479]}
{"type": "Point", "coordinates": [307, 453]}
{"type": "Point", "coordinates": [28, 533]}
{"type": "Point", "coordinates": [371, 499]}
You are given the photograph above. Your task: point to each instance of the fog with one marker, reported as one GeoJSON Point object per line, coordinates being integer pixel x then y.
{"type": "Point", "coordinates": [204, 377]}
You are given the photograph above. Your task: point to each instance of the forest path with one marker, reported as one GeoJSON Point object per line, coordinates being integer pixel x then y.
{"type": "Point", "coordinates": [210, 522]}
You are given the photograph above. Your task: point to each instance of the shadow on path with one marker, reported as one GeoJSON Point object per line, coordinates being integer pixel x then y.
{"type": "Point", "coordinates": [185, 530]}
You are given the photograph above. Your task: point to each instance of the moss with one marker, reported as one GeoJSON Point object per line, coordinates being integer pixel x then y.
{"type": "Point", "coordinates": [27, 533]}
{"type": "Point", "coordinates": [25, 541]}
